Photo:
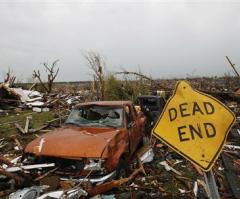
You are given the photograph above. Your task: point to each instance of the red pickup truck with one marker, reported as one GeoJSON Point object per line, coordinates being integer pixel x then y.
{"type": "Point", "coordinates": [98, 138]}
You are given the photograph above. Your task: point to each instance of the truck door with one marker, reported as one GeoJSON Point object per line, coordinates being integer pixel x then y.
{"type": "Point", "coordinates": [133, 128]}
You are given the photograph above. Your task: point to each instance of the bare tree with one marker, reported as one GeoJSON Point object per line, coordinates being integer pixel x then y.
{"type": "Point", "coordinates": [52, 72]}
{"type": "Point", "coordinates": [96, 64]}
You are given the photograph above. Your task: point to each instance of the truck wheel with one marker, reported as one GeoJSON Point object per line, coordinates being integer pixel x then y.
{"type": "Point", "coordinates": [122, 169]}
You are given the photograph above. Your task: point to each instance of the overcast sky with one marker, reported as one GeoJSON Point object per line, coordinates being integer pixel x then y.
{"type": "Point", "coordinates": [166, 38]}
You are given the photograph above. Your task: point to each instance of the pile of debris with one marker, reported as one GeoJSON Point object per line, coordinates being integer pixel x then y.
{"type": "Point", "coordinates": [19, 97]}
{"type": "Point", "coordinates": [157, 172]}
{"type": "Point", "coordinates": [12, 98]}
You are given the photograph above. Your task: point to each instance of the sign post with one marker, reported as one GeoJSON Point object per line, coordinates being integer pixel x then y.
{"type": "Point", "coordinates": [196, 126]}
{"type": "Point", "coordinates": [211, 184]}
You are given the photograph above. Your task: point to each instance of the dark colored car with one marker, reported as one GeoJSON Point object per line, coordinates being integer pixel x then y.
{"type": "Point", "coordinates": [152, 106]}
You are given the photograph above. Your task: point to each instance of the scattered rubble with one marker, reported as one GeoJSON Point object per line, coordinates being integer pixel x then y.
{"type": "Point", "coordinates": [155, 170]}
{"type": "Point", "coordinates": [165, 174]}
{"type": "Point", "coordinates": [13, 98]}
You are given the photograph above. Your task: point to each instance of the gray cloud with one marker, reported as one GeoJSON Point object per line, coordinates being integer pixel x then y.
{"type": "Point", "coordinates": [166, 38]}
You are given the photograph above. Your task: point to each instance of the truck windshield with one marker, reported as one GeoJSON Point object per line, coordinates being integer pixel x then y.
{"type": "Point", "coordinates": [149, 102]}
{"type": "Point", "coordinates": [96, 116]}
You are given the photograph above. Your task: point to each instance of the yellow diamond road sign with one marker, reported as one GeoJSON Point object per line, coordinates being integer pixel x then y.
{"type": "Point", "coordinates": [195, 125]}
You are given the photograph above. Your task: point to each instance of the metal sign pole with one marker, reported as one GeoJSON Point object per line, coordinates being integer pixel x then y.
{"type": "Point", "coordinates": [211, 184]}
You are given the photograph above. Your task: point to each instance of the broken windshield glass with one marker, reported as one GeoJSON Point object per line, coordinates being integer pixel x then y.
{"type": "Point", "coordinates": [96, 116]}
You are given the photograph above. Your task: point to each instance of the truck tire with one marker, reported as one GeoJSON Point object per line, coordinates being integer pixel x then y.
{"type": "Point", "coordinates": [122, 169]}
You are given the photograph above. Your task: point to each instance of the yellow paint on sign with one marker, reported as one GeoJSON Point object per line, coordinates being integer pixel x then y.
{"type": "Point", "coordinates": [195, 125]}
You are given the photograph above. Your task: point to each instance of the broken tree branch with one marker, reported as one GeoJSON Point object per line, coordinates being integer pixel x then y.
{"type": "Point", "coordinates": [134, 73]}
{"type": "Point", "coordinates": [232, 65]}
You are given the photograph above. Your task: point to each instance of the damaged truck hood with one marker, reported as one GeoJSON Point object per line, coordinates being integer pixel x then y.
{"type": "Point", "coordinates": [73, 143]}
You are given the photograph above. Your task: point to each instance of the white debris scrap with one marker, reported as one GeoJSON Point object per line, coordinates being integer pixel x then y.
{"type": "Point", "coordinates": [28, 193]}
{"type": "Point", "coordinates": [71, 194]}
{"type": "Point", "coordinates": [40, 109]}
{"type": "Point", "coordinates": [147, 156]}
{"type": "Point", "coordinates": [195, 188]}
{"type": "Point", "coordinates": [169, 168]}
{"type": "Point", "coordinates": [182, 190]}
{"type": "Point", "coordinates": [238, 131]}
{"type": "Point", "coordinates": [36, 103]}
{"type": "Point", "coordinates": [29, 167]}
{"type": "Point", "coordinates": [27, 95]}
{"type": "Point", "coordinates": [233, 147]}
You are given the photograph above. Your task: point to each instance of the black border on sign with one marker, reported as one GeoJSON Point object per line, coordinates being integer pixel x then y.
{"type": "Point", "coordinates": [177, 150]}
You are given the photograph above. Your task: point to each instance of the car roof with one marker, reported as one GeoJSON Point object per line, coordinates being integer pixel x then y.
{"type": "Point", "coordinates": [106, 103]}
{"type": "Point", "coordinates": [149, 96]}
